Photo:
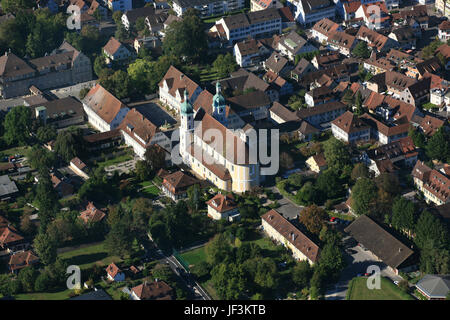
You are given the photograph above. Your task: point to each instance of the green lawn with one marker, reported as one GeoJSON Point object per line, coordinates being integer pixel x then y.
{"type": "Point", "coordinates": [151, 192]}
{"type": "Point", "coordinates": [195, 256]}
{"type": "Point", "coordinates": [61, 295]}
{"type": "Point", "coordinates": [116, 160]}
{"type": "Point", "coordinates": [358, 290]}
{"type": "Point", "coordinates": [208, 75]}
{"type": "Point", "coordinates": [88, 256]}
{"type": "Point", "coordinates": [12, 151]}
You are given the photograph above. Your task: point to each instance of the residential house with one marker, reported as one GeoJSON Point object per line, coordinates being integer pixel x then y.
{"type": "Point", "coordinates": [130, 17]}
{"type": "Point", "coordinates": [322, 113]}
{"type": "Point", "coordinates": [405, 37]}
{"type": "Point", "coordinates": [119, 5]}
{"type": "Point", "coordinates": [172, 87]}
{"type": "Point", "coordinates": [293, 44]}
{"type": "Point", "coordinates": [252, 106]}
{"type": "Point", "coordinates": [444, 31]}
{"type": "Point", "coordinates": [222, 207]}
{"type": "Point", "coordinates": [114, 273]}
{"type": "Point", "coordinates": [401, 152]}
{"type": "Point", "coordinates": [149, 43]}
{"type": "Point", "coordinates": [284, 232]}
{"type": "Point", "coordinates": [375, 40]}
{"type": "Point", "coordinates": [104, 111]}
{"type": "Point", "coordinates": [242, 81]}
{"type": "Point", "coordinates": [278, 83]}
{"type": "Point", "coordinates": [327, 60]}
{"type": "Point", "coordinates": [375, 15]}
{"type": "Point", "coordinates": [22, 259]}
{"type": "Point", "coordinates": [280, 114]}
{"type": "Point", "coordinates": [322, 29]}
{"type": "Point", "coordinates": [386, 133]}
{"type": "Point", "coordinates": [444, 50]}
{"type": "Point", "coordinates": [115, 51]}
{"type": "Point", "coordinates": [257, 5]}
{"type": "Point", "coordinates": [253, 24]}
{"type": "Point", "coordinates": [317, 163]}
{"type": "Point", "coordinates": [349, 128]}
{"type": "Point", "coordinates": [342, 42]}
{"type": "Point", "coordinates": [91, 214]}
{"type": "Point", "coordinates": [207, 7]}
{"type": "Point", "coordinates": [10, 239]}
{"type": "Point", "coordinates": [61, 186]}
{"type": "Point", "coordinates": [249, 52]}
{"type": "Point", "coordinates": [382, 244]}
{"type": "Point", "coordinates": [302, 68]}
{"type": "Point", "coordinates": [139, 132]}
{"type": "Point", "coordinates": [308, 12]}
{"type": "Point", "coordinates": [418, 71]}
{"type": "Point", "coordinates": [443, 7]}
{"type": "Point", "coordinates": [278, 64]}
{"type": "Point", "coordinates": [79, 167]}
{"type": "Point", "coordinates": [429, 125]}
{"type": "Point", "coordinates": [157, 290]}
{"type": "Point", "coordinates": [175, 185]}
{"type": "Point", "coordinates": [103, 140]}
{"type": "Point", "coordinates": [433, 184]}
{"type": "Point", "coordinates": [319, 96]}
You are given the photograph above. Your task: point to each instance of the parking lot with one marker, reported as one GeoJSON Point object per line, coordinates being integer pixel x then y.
{"type": "Point", "coordinates": [358, 260]}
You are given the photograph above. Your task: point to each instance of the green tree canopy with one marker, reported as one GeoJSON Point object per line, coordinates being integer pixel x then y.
{"type": "Point", "coordinates": [364, 194]}
{"type": "Point", "coordinates": [17, 125]}
{"type": "Point", "coordinates": [361, 50]}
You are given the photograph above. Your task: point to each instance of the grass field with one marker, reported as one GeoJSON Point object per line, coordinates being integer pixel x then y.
{"type": "Point", "coordinates": [88, 256]}
{"type": "Point", "coordinates": [357, 290]}
{"type": "Point", "coordinates": [151, 192]}
{"type": "Point", "coordinates": [16, 150]}
{"type": "Point", "coordinates": [195, 256]}
{"type": "Point", "coordinates": [116, 160]}
{"type": "Point", "coordinates": [60, 295]}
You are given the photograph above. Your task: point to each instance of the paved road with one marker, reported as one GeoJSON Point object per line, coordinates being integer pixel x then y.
{"type": "Point", "coordinates": [358, 261]}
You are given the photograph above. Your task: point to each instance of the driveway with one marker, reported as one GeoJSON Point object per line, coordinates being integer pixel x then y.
{"type": "Point", "coordinates": [287, 208]}
{"type": "Point", "coordinates": [358, 260]}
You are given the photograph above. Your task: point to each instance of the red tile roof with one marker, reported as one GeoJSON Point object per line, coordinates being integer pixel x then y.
{"type": "Point", "coordinates": [113, 270]}
{"type": "Point", "coordinates": [292, 234]}
{"type": "Point", "coordinates": [92, 214]}
{"type": "Point", "coordinates": [222, 203]}
{"type": "Point", "coordinates": [158, 290]}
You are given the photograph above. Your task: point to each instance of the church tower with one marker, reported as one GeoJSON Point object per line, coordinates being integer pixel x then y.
{"type": "Point", "coordinates": [187, 124]}
{"type": "Point", "coordinates": [219, 105]}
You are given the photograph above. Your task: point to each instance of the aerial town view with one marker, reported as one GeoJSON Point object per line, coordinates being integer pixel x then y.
{"type": "Point", "coordinates": [219, 150]}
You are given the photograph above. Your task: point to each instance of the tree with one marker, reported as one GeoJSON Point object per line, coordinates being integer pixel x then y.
{"type": "Point", "coordinates": [313, 218]}
{"type": "Point", "coordinates": [361, 50]}
{"type": "Point", "coordinates": [27, 276]}
{"type": "Point", "coordinates": [301, 274]}
{"type": "Point", "coordinates": [429, 227]}
{"type": "Point", "coordinates": [403, 214]}
{"type": "Point", "coordinates": [140, 24]}
{"type": "Point", "coordinates": [358, 104]}
{"type": "Point", "coordinates": [194, 200]}
{"type": "Point", "coordinates": [438, 146]}
{"type": "Point", "coordinates": [39, 157]}
{"type": "Point", "coordinates": [328, 185]}
{"type": "Point", "coordinates": [364, 193]}
{"type": "Point", "coordinates": [46, 133]}
{"type": "Point", "coordinates": [43, 282]}
{"type": "Point", "coordinates": [46, 198]}
{"type": "Point", "coordinates": [331, 260]}
{"type": "Point", "coordinates": [17, 125]}
{"type": "Point", "coordinates": [65, 145]}
{"type": "Point", "coordinates": [186, 38]}
{"type": "Point", "coordinates": [162, 272]}
{"type": "Point", "coordinates": [218, 249]}
{"type": "Point", "coordinates": [307, 194]}
{"type": "Point", "coordinates": [119, 240]}
{"type": "Point", "coordinates": [83, 92]}
{"type": "Point", "coordinates": [418, 137]}
{"type": "Point", "coordinates": [360, 171]}
{"type": "Point", "coordinates": [14, 6]}
{"type": "Point", "coordinates": [117, 17]}
{"type": "Point", "coordinates": [224, 65]}
{"type": "Point", "coordinates": [45, 248]}
{"type": "Point", "coordinates": [336, 153]}
{"type": "Point", "coordinates": [155, 156]}
{"type": "Point", "coordinates": [286, 161]}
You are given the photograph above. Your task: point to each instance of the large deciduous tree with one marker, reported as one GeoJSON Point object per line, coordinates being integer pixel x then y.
{"type": "Point", "coordinates": [17, 125]}
{"type": "Point", "coordinates": [364, 195]}
{"type": "Point", "coordinates": [313, 218]}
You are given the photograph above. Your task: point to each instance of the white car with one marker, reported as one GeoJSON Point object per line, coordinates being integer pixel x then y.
{"type": "Point", "coordinates": [396, 282]}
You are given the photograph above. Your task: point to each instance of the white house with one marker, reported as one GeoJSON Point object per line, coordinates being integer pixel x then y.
{"type": "Point", "coordinates": [322, 29]}
{"type": "Point", "coordinates": [207, 7]}
{"type": "Point", "coordinates": [293, 44]}
{"type": "Point", "coordinates": [122, 5]}
{"type": "Point", "coordinates": [308, 12]}
{"type": "Point", "coordinates": [104, 111]}
{"type": "Point", "coordinates": [139, 133]}
{"type": "Point", "coordinates": [172, 87]}
{"type": "Point", "coordinates": [222, 207]}
{"type": "Point", "coordinates": [116, 51]}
